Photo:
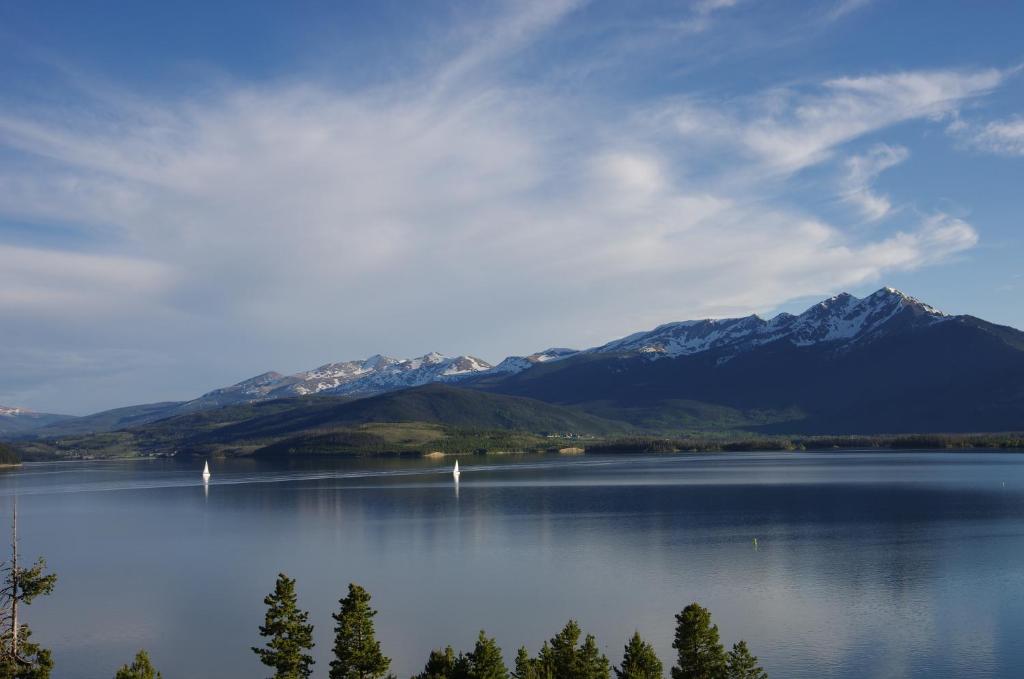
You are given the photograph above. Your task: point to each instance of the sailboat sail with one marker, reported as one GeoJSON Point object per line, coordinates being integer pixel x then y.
{"type": "Point", "coordinates": [206, 470]}
{"type": "Point", "coordinates": [455, 470]}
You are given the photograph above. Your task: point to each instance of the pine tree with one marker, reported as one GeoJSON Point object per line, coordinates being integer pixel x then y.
{"type": "Point", "coordinates": [291, 637]}
{"type": "Point", "coordinates": [701, 655]}
{"type": "Point", "coordinates": [743, 665]}
{"type": "Point", "coordinates": [357, 652]}
{"type": "Point", "coordinates": [485, 660]}
{"type": "Point", "coordinates": [444, 664]}
{"type": "Point", "coordinates": [558, 657]}
{"type": "Point", "coordinates": [141, 668]}
{"type": "Point", "coordinates": [523, 668]}
{"type": "Point", "coordinates": [20, 658]}
{"type": "Point", "coordinates": [564, 658]}
{"type": "Point", "coordinates": [35, 662]}
{"type": "Point", "coordinates": [592, 663]}
{"type": "Point", "coordinates": [639, 661]}
{"type": "Point", "coordinates": [527, 667]}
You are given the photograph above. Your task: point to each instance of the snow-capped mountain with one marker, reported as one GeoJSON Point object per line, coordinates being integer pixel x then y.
{"type": "Point", "coordinates": [515, 364]}
{"type": "Point", "coordinates": [388, 373]}
{"type": "Point", "coordinates": [884, 363]}
{"type": "Point", "coordinates": [333, 375]}
{"type": "Point", "coordinates": [372, 375]}
{"type": "Point", "coordinates": [838, 320]}
{"type": "Point", "coordinates": [841, 319]}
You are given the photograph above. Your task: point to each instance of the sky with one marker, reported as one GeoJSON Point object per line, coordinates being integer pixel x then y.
{"type": "Point", "coordinates": [192, 193]}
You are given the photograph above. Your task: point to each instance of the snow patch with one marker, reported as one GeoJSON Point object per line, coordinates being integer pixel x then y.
{"type": "Point", "coordinates": [843, 318]}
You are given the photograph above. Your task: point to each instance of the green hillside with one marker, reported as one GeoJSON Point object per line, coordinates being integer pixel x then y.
{"type": "Point", "coordinates": [450, 419]}
{"type": "Point", "coordinates": [408, 438]}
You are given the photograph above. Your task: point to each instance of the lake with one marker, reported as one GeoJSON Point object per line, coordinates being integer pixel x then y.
{"type": "Point", "coordinates": [867, 564]}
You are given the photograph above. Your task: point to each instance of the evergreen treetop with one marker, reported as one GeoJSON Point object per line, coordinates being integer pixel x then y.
{"type": "Point", "coordinates": [527, 667]}
{"type": "Point", "coordinates": [485, 660]}
{"type": "Point", "coordinates": [141, 668]}
{"type": "Point", "coordinates": [564, 658]}
{"type": "Point", "coordinates": [639, 661]}
{"type": "Point", "coordinates": [357, 653]}
{"type": "Point", "coordinates": [444, 664]}
{"type": "Point", "coordinates": [743, 665]}
{"type": "Point", "coordinates": [290, 635]}
{"type": "Point", "coordinates": [701, 655]}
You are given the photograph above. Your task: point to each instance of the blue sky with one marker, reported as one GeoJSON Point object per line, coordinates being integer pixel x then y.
{"type": "Point", "coordinates": [193, 192]}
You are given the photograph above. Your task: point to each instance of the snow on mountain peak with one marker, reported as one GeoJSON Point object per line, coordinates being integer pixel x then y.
{"type": "Point", "coordinates": [377, 361]}
{"type": "Point", "coordinates": [374, 374]}
{"type": "Point", "coordinates": [894, 296]}
{"type": "Point", "coordinates": [432, 367]}
{"type": "Point", "coordinates": [841, 318]}
{"type": "Point", "coordinates": [516, 364]}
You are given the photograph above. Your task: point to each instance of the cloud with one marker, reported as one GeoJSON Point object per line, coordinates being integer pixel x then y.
{"type": "Point", "coordinates": [861, 171]}
{"type": "Point", "coordinates": [282, 225]}
{"type": "Point", "coordinates": [59, 282]}
{"type": "Point", "coordinates": [702, 15]}
{"type": "Point", "coordinates": [939, 236]}
{"type": "Point", "coordinates": [788, 129]}
{"type": "Point", "coordinates": [1005, 137]}
{"type": "Point", "coordinates": [844, 7]}
{"type": "Point", "coordinates": [499, 38]}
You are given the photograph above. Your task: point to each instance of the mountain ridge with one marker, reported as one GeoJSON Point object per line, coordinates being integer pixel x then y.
{"type": "Point", "coordinates": [838, 318]}
{"type": "Point", "coordinates": [912, 371]}
{"type": "Point", "coordinates": [828, 336]}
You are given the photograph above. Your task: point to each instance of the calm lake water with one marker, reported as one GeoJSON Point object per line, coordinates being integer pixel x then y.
{"type": "Point", "coordinates": [867, 564]}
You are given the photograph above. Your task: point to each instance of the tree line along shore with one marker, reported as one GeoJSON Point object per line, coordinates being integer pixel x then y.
{"type": "Point", "coordinates": [421, 439]}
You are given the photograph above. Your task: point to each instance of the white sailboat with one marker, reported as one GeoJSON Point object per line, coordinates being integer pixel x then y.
{"type": "Point", "coordinates": [206, 471]}
{"type": "Point", "coordinates": [455, 471]}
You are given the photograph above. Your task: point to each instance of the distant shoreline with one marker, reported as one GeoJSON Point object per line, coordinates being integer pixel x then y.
{"type": "Point", "coordinates": [615, 451]}
{"type": "Point", "coordinates": [431, 440]}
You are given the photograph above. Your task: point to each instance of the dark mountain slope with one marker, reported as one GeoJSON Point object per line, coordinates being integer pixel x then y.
{"type": "Point", "coordinates": [109, 420]}
{"type": "Point", "coordinates": [962, 374]}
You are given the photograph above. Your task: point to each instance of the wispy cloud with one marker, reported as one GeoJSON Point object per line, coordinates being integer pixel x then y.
{"type": "Point", "coordinates": [844, 7]}
{"type": "Point", "coordinates": [47, 281]}
{"type": "Point", "coordinates": [499, 37]}
{"type": "Point", "coordinates": [1005, 137]}
{"type": "Point", "coordinates": [861, 171]}
{"type": "Point", "coordinates": [702, 15]}
{"type": "Point", "coordinates": [789, 129]}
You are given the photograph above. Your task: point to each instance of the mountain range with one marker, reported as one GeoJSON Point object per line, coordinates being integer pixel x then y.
{"type": "Point", "coordinates": [884, 363]}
